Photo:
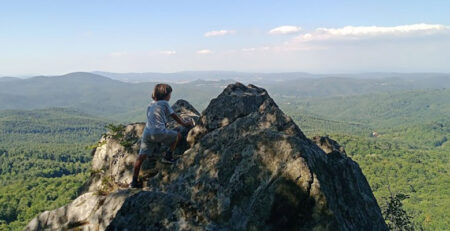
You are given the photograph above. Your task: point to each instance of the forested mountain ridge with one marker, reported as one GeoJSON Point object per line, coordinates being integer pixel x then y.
{"type": "Point", "coordinates": [415, 79]}
{"type": "Point", "coordinates": [94, 94]}
{"type": "Point", "coordinates": [346, 86]}
{"type": "Point", "coordinates": [98, 95]}
{"type": "Point", "coordinates": [381, 110]}
{"type": "Point", "coordinates": [6, 79]}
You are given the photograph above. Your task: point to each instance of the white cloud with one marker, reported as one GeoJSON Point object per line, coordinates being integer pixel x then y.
{"type": "Point", "coordinates": [219, 33]}
{"type": "Point", "coordinates": [204, 52]}
{"type": "Point", "coordinates": [168, 52]}
{"type": "Point", "coordinates": [285, 30]}
{"type": "Point", "coordinates": [360, 32]}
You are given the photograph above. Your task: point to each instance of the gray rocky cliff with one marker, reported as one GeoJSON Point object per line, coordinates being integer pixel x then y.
{"type": "Point", "coordinates": [244, 166]}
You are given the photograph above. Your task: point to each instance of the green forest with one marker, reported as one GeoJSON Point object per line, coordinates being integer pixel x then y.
{"type": "Point", "coordinates": [399, 139]}
{"type": "Point", "coordinates": [43, 160]}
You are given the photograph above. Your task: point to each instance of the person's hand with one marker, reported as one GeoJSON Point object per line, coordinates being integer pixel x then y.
{"type": "Point", "coordinates": [188, 123]}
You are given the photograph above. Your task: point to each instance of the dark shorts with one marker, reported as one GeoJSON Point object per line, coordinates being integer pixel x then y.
{"type": "Point", "coordinates": [152, 137]}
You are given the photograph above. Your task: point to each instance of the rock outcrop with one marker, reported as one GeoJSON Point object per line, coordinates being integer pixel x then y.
{"type": "Point", "coordinates": [244, 166]}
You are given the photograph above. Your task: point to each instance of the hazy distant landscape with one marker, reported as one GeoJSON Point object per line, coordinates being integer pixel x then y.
{"type": "Point", "coordinates": [47, 122]}
{"type": "Point", "coordinates": [125, 101]}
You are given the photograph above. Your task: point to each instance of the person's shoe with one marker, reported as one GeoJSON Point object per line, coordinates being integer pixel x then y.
{"type": "Point", "coordinates": [168, 160]}
{"type": "Point", "coordinates": [135, 184]}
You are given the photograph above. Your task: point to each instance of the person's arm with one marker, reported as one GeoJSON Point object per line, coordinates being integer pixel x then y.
{"type": "Point", "coordinates": [180, 121]}
{"type": "Point", "coordinates": [174, 115]}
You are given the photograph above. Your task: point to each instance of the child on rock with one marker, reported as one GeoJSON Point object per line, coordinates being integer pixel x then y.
{"type": "Point", "coordinates": [156, 131]}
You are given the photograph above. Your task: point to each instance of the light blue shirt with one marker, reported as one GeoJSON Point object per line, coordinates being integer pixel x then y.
{"type": "Point", "coordinates": [158, 113]}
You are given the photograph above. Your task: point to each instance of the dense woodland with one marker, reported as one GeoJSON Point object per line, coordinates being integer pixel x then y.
{"type": "Point", "coordinates": [44, 156]}
{"type": "Point", "coordinates": [43, 161]}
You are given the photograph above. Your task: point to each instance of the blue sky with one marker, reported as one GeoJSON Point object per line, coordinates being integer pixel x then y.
{"type": "Point", "coordinates": [57, 37]}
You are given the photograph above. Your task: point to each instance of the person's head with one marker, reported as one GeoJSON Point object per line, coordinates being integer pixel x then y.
{"type": "Point", "coordinates": [162, 91]}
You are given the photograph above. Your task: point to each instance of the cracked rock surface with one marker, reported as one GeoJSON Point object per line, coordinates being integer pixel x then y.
{"type": "Point", "coordinates": [244, 166]}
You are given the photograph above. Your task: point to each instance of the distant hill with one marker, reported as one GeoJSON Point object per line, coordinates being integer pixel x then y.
{"type": "Point", "coordinates": [6, 79]}
{"type": "Point", "coordinates": [382, 110]}
{"type": "Point", "coordinates": [95, 94]}
{"type": "Point", "coordinates": [188, 76]}
{"type": "Point", "coordinates": [126, 101]}
{"type": "Point", "coordinates": [260, 78]}
{"type": "Point", "coordinates": [345, 86]}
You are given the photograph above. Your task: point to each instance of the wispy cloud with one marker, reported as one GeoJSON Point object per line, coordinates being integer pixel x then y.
{"type": "Point", "coordinates": [219, 33]}
{"type": "Point", "coordinates": [361, 32]}
{"type": "Point", "coordinates": [204, 52]}
{"type": "Point", "coordinates": [285, 30]}
{"type": "Point", "coordinates": [168, 52]}
{"type": "Point", "coordinates": [284, 47]}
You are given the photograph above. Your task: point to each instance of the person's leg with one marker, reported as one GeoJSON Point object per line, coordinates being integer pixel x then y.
{"type": "Point", "coordinates": [174, 138]}
{"type": "Point", "coordinates": [174, 144]}
{"type": "Point", "coordinates": [137, 167]}
{"type": "Point", "coordinates": [144, 151]}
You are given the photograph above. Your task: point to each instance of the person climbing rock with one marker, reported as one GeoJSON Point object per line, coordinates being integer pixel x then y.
{"type": "Point", "coordinates": [156, 131]}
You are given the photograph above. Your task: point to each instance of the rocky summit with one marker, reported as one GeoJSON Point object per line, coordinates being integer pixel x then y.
{"type": "Point", "coordinates": [245, 165]}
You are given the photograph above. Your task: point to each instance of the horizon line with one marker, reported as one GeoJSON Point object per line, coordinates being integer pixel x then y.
{"type": "Point", "coordinates": [98, 72]}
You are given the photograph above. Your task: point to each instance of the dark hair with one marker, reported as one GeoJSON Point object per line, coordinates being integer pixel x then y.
{"type": "Point", "coordinates": [161, 91]}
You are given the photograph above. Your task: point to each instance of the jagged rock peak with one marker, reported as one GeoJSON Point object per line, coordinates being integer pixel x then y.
{"type": "Point", "coordinates": [239, 101]}
{"type": "Point", "coordinates": [235, 101]}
